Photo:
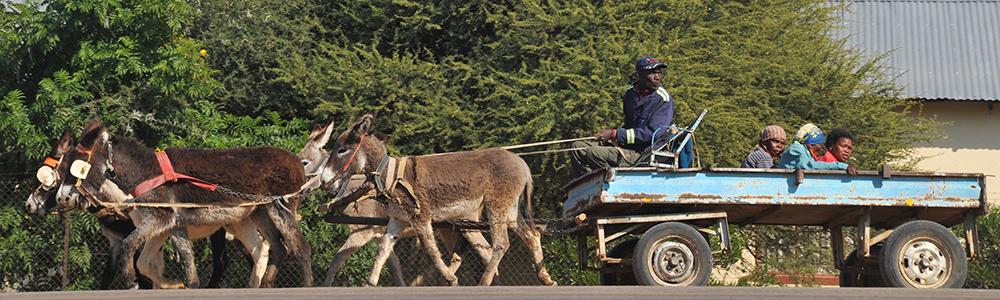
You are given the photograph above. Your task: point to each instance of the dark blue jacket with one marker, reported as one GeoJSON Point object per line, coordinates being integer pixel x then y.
{"type": "Point", "coordinates": [644, 116]}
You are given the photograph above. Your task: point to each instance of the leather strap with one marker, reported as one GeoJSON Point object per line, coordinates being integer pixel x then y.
{"type": "Point", "coordinates": [168, 175]}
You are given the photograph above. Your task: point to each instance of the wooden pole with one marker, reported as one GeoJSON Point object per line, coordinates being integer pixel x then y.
{"type": "Point", "coordinates": [548, 143]}
{"type": "Point", "coordinates": [65, 258]}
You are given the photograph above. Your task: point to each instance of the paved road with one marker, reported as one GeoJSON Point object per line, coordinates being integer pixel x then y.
{"type": "Point", "coordinates": [521, 293]}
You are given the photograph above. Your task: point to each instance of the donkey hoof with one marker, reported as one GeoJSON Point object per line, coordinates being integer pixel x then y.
{"type": "Point", "coordinates": [133, 286]}
{"type": "Point", "coordinates": [171, 285]}
{"type": "Point", "coordinates": [452, 280]}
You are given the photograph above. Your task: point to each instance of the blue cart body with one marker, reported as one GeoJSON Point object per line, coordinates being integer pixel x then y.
{"type": "Point", "coordinates": [778, 196]}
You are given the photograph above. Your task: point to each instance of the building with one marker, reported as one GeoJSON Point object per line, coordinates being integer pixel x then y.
{"type": "Point", "coordinates": [945, 54]}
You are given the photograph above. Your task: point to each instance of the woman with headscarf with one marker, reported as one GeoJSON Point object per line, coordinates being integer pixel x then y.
{"type": "Point", "coordinates": [772, 141]}
{"type": "Point", "coordinates": [802, 153]}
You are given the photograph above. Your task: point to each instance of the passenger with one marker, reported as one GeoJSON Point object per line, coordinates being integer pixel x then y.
{"type": "Point", "coordinates": [772, 142]}
{"type": "Point", "coordinates": [648, 111]}
{"type": "Point", "coordinates": [839, 146]}
{"type": "Point", "coordinates": [802, 153]}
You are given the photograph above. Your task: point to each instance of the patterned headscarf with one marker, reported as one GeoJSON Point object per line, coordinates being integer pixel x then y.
{"type": "Point", "coordinates": [810, 134]}
{"type": "Point", "coordinates": [773, 132]}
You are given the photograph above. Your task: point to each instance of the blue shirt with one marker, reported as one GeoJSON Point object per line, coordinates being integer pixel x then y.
{"type": "Point", "coordinates": [798, 157]}
{"type": "Point", "coordinates": [644, 116]}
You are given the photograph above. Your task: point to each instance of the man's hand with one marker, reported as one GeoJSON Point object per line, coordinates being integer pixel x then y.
{"type": "Point", "coordinates": [851, 170]}
{"type": "Point", "coordinates": [605, 135]}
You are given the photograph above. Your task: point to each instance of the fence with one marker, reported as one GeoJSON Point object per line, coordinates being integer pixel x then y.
{"type": "Point", "coordinates": [32, 253]}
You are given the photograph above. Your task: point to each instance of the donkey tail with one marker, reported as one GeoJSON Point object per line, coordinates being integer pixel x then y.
{"type": "Point", "coordinates": [528, 218]}
{"type": "Point", "coordinates": [295, 240]}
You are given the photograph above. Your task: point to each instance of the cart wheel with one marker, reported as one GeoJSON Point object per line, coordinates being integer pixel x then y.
{"type": "Point", "coordinates": [923, 254]}
{"type": "Point", "coordinates": [858, 277]}
{"type": "Point", "coordinates": [620, 274]}
{"type": "Point", "coordinates": [672, 254]}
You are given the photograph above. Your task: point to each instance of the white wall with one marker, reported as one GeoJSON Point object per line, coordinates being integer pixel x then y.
{"type": "Point", "coordinates": [971, 142]}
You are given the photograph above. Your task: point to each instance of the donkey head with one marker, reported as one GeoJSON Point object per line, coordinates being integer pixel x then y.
{"type": "Point", "coordinates": [313, 154]}
{"type": "Point", "coordinates": [86, 167]}
{"type": "Point", "coordinates": [43, 198]}
{"type": "Point", "coordinates": [356, 151]}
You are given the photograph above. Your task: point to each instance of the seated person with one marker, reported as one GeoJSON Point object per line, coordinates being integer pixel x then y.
{"type": "Point", "coordinates": [802, 153]}
{"type": "Point", "coordinates": [839, 145]}
{"type": "Point", "coordinates": [772, 142]}
{"type": "Point", "coordinates": [648, 110]}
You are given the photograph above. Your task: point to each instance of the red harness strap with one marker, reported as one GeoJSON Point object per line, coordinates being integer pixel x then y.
{"type": "Point", "coordinates": [51, 162]}
{"type": "Point", "coordinates": [168, 176]}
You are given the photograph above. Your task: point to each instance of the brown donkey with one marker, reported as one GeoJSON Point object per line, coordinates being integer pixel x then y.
{"type": "Point", "coordinates": [124, 163]}
{"type": "Point", "coordinates": [43, 201]}
{"type": "Point", "coordinates": [313, 157]}
{"type": "Point", "coordinates": [439, 187]}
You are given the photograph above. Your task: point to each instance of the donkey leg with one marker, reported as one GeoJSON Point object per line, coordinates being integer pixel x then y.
{"type": "Point", "coordinates": [450, 240]}
{"type": "Point", "coordinates": [219, 262]}
{"type": "Point", "coordinates": [150, 227]}
{"type": "Point", "coordinates": [151, 263]}
{"type": "Point", "coordinates": [355, 241]}
{"type": "Point", "coordinates": [256, 246]}
{"type": "Point", "coordinates": [278, 252]}
{"type": "Point", "coordinates": [478, 242]}
{"type": "Point", "coordinates": [115, 245]}
{"type": "Point", "coordinates": [295, 240]}
{"type": "Point", "coordinates": [183, 245]}
{"type": "Point", "coordinates": [425, 232]}
{"type": "Point", "coordinates": [498, 232]}
{"type": "Point", "coordinates": [389, 240]}
{"type": "Point", "coordinates": [532, 238]}
{"type": "Point", "coordinates": [396, 268]}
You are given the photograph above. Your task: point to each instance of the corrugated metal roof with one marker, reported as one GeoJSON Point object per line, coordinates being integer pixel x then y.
{"type": "Point", "coordinates": [936, 49]}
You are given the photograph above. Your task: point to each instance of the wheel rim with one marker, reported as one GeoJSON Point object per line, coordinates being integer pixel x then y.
{"type": "Point", "coordinates": [673, 262]}
{"type": "Point", "coordinates": [923, 264]}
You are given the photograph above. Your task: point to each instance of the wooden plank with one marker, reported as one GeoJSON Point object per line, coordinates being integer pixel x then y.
{"type": "Point", "coordinates": [837, 243]}
{"type": "Point", "coordinates": [621, 233]}
{"type": "Point", "coordinates": [864, 233]}
{"type": "Point", "coordinates": [971, 235]}
{"type": "Point", "coordinates": [338, 219]}
{"type": "Point", "coordinates": [601, 251]}
{"type": "Point", "coordinates": [761, 215]}
{"type": "Point", "coordinates": [660, 218]}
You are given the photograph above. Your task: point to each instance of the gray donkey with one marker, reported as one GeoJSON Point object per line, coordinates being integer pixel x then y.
{"type": "Point", "coordinates": [313, 156]}
{"type": "Point", "coordinates": [422, 189]}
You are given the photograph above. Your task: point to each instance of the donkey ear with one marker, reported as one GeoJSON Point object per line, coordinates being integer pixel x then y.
{"type": "Point", "coordinates": [324, 135]}
{"type": "Point", "coordinates": [360, 128]}
{"type": "Point", "coordinates": [315, 132]}
{"type": "Point", "coordinates": [365, 126]}
{"type": "Point", "coordinates": [94, 136]}
{"type": "Point", "coordinates": [62, 146]}
{"type": "Point", "coordinates": [92, 124]}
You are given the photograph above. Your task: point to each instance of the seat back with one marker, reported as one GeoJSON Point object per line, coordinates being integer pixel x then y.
{"type": "Point", "coordinates": [678, 150]}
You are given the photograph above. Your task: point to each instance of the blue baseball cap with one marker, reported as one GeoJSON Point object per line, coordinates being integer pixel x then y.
{"type": "Point", "coordinates": [648, 63]}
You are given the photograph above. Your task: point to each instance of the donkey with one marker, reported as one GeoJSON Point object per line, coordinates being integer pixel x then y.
{"type": "Point", "coordinates": [448, 186]}
{"type": "Point", "coordinates": [313, 156]}
{"type": "Point", "coordinates": [256, 226]}
{"type": "Point", "coordinates": [43, 200]}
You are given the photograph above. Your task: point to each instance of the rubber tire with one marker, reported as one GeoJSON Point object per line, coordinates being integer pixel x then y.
{"type": "Point", "coordinates": [620, 274]}
{"type": "Point", "coordinates": [850, 279]}
{"type": "Point", "coordinates": [934, 233]}
{"type": "Point", "coordinates": [679, 232]}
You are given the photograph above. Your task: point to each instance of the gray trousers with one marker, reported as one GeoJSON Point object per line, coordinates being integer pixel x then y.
{"type": "Point", "coordinates": [593, 156]}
